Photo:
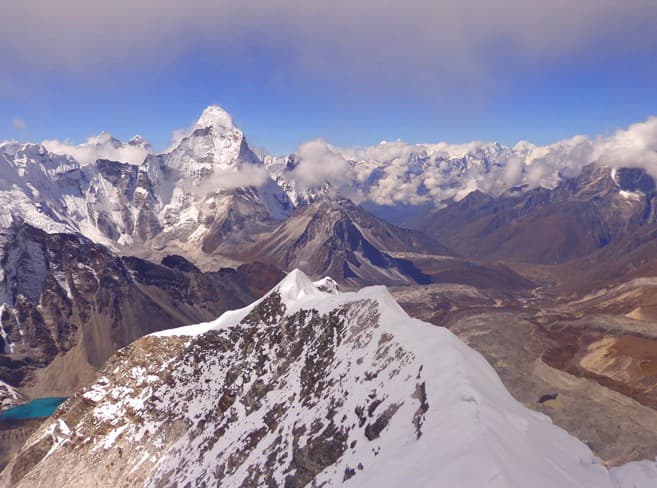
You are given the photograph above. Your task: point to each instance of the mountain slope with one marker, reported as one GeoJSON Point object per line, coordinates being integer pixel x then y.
{"type": "Point", "coordinates": [575, 219]}
{"type": "Point", "coordinates": [339, 239]}
{"type": "Point", "coordinates": [68, 304]}
{"type": "Point", "coordinates": [306, 387]}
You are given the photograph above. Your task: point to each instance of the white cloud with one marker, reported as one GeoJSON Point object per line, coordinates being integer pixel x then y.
{"type": "Point", "coordinates": [19, 125]}
{"type": "Point", "coordinates": [176, 138]}
{"type": "Point", "coordinates": [396, 172]}
{"type": "Point", "coordinates": [512, 173]}
{"type": "Point", "coordinates": [103, 146]}
{"type": "Point", "coordinates": [245, 175]}
{"type": "Point", "coordinates": [634, 147]}
{"type": "Point", "coordinates": [319, 162]}
{"type": "Point", "coordinates": [415, 42]}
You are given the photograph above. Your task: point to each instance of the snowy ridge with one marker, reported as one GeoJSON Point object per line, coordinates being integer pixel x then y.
{"type": "Point", "coordinates": [295, 290]}
{"type": "Point", "coordinates": [307, 387]}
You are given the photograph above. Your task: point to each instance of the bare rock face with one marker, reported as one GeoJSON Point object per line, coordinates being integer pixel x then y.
{"type": "Point", "coordinates": [9, 396]}
{"type": "Point", "coordinates": [233, 220]}
{"type": "Point", "coordinates": [305, 388]}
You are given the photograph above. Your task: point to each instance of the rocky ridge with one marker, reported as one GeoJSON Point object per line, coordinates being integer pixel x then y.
{"type": "Point", "coordinates": [340, 239]}
{"type": "Point", "coordinates": [306, 387]}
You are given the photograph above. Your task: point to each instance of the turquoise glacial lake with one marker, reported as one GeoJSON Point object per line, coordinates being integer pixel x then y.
{"type": "Point", "coordinates": [36, 409]}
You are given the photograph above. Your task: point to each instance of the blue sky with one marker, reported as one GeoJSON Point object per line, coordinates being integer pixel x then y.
{"type": "Point", "coordinates": [348, 73]}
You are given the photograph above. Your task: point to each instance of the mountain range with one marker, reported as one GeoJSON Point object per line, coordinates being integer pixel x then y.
{"type": "Point", "coordinates": [540, 258]}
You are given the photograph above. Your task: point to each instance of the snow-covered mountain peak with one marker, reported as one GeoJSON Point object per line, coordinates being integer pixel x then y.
{"type": "Point", "coordinates": [215, 116]}
{"type": "Point", "coordinates": [214, 143]}
{"type": "Point", "coordinates": [30, 154]}
{"type": "Point", "coordinates": [294, 291]}
{"type": "Point", "coordinates": [296, 287]}
{"type": "Point", "coordinates": [209, 193]}
{"type": "Point", "coordinates": [28, 149]}
{"type": "Point", "coordinates": [9, 147]}
{"type": "Point", "coordinates": [140, 141]}
{"type": "Point", "coordinates": [104, 138]}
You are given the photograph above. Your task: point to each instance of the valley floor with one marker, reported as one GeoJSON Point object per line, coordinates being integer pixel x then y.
{"type": "Point", "coordinates": [589, 363]}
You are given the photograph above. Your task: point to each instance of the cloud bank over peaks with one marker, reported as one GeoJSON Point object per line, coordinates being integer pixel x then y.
{"type": "Point", "coordinates": [388, 173]}
{"type": "Point", "coordinates": [395, 172]}
{"type": "Point", "coordinates": [102, 146]}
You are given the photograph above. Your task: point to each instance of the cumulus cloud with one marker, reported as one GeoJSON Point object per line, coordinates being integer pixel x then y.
{"type": "Point", "coordinates": [390, 173]}
{"type": "Point", "coordinates": [103, 146]}
{"type": "Point", "coordinates": [19, 125]}
{"type": "Point", "coordinates": [512, 173]}
{"type": "Point", "coordinates": [412, 41]}
{"type": "Point", "coordinates": [244, 176]}
{"type": "Point", "coordinates": [177, 136]}
{"type": "Point", "coordinates": [634, 147]}
{"type": "Point", "coordinates": [319, 162]}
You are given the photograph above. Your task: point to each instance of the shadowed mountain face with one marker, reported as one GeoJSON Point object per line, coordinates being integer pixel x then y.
{"type": "Point", "coordinates": [71, 303]}
{"type": "Point", "coordinates": [576, 219]}
{"type": "Point", "coordinates": [342, 240]}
